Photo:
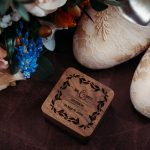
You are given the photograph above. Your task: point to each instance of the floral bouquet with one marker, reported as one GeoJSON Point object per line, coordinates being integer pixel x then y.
{"type": "Point", "coordinates": [27, 30]}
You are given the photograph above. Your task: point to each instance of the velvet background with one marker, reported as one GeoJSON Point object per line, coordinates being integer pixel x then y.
{"type": "Point", "coordinates": [22, 126]}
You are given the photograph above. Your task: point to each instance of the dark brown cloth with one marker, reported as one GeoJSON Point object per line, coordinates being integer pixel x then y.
{"type": "Point", "coordinates": [22, 126]}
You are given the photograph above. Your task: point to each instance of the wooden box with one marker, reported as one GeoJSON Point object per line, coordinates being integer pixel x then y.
{"type": "Point", "coordinates": [77, 102]}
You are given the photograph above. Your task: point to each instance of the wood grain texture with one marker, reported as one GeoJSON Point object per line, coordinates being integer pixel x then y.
{"type": "Point", "coordinates": [78, 102]}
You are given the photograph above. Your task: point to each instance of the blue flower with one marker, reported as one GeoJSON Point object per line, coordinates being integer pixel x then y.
{"type": "Point", "coordinates": [27, 52]}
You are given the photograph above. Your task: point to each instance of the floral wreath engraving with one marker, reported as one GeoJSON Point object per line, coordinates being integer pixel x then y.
{"type": "Point", "coordinates": [76, 121]}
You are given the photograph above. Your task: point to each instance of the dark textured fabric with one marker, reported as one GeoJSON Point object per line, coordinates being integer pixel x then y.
{"type": "Point", "coordinates": [22, 126]}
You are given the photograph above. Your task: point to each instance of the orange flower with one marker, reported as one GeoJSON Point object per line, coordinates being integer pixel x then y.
{"type": "Point", "coordinates": [85, 3]}
{"type": "Point", "coordinates": [74, 11]}
{"type": "Point", "coordinates": [67, 19]}
{"type": "Point", "coordinates": [63, 19]}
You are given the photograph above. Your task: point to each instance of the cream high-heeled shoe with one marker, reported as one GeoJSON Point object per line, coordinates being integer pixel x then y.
{"type": "Point", "coordinates": [108, 41]}
{"type": "Point", "coordinates": [140, 86]}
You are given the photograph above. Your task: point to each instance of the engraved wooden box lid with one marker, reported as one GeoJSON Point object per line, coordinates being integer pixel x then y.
{"type": "Point", "coordinates": [77, 102]}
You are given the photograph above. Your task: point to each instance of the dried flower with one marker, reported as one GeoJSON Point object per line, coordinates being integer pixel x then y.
{"type": "Point", "coordinates": [3, 62]}
{"type": "Point", "coordinates": [27, 53]}
{"type": "Point", "coordinates": [66, 19]}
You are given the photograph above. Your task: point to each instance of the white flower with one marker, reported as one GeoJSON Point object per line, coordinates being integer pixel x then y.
{"type": "Point", "coordinates": [41, 8]}
{"type": "Point", "coordinates": [7, 20]}
{"type": "Point", "coordinates": [3, 25]}
{"type": "Point", "coordinates": [49, 41]}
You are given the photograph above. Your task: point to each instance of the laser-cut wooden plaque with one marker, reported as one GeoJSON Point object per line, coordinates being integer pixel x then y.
{"type": "Point", "coordinates": [77, 102]}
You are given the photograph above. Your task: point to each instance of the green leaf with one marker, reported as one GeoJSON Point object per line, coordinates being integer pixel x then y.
{"type": "Point", "coordinates": [44, 69]}
{"type": "Point", "coordinates": [14, 67]}
{"type": "Point", "coordinates": [22, 11]}
{"type": "Point", "coordinates": [4, 5]}
{"type": "Point", "coordinates": [113, 2]}
{"type": "Point", "coordinates": [72, 2]}
{"type": "Point", "coordinates": [10, 42]}
{"type": "Point", "coordinates": [10, 45]}
{"type": "Point", "coordinates": [98, 5]}
{"type": "Point", "coordinates": [25, 1]}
